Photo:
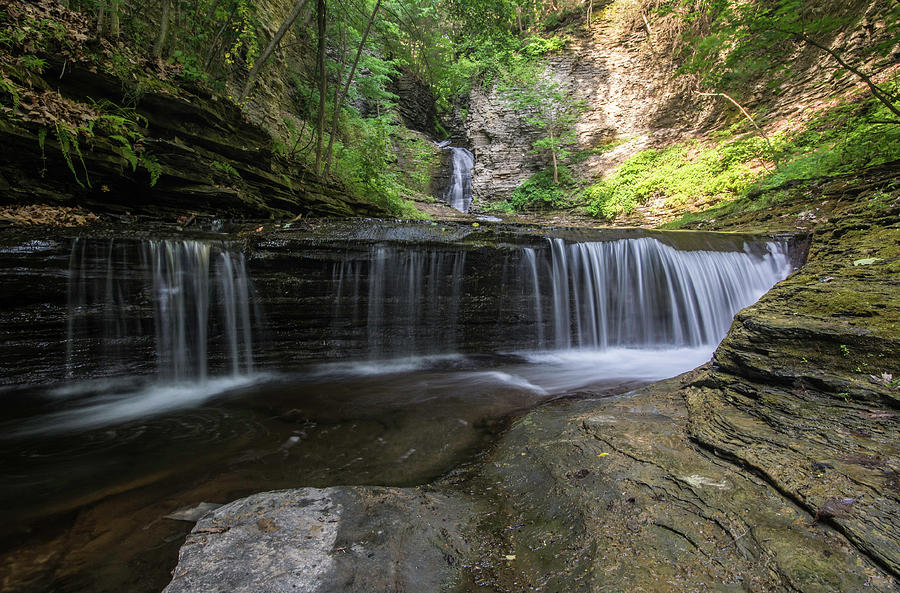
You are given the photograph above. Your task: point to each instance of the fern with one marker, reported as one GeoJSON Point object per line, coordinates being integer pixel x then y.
{"type": "Point", "coordinates": [151, 164]}
{"type": "Point", "coordinates": [127, 150]}
{"type": "Point", "coordinates": [68, 142]}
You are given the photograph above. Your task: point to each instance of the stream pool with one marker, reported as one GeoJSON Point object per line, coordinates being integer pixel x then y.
{"type": "Point", "coordinates": [144, 377]}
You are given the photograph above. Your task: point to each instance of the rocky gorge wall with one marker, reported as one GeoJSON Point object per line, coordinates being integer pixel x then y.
{"type": "Point", "coordinates": [623, 69]}
{"type": "Point", "coordinates": [210, 159]}
{"type": "Point", "coordinates": [627, 92]}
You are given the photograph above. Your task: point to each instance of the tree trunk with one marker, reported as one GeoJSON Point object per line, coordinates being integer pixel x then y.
{"type": "Point", "coordinates": [114, 19]}
{"type": "Point", "coordinates": [270, 49]}
{"type": "Point", "coordinates": [101, 9]}
{"type": "Point", "coordinates": [590, 12]}
{"type": "Point", "coordinates": [173, 44]}
{"type": "Point", "coordinates": [555, 167]}
{"type": "Point", "coordinates": [340, 103]}
{"type": "Point", "coordinates": [163, 30]}
{"type": "Point", "coordinates": [320, 119]}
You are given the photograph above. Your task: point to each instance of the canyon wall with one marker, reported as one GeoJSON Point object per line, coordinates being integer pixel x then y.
{"type": "Point", "coordinates": [624, 70]}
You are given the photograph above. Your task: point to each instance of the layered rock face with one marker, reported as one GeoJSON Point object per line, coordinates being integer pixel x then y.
{"type": "Point", "coordinates": [211, 159]}
{"type": "Point", "coordinates": [804, 390]}
{"type": "Point", "coordinates": [627, 90]}
{"type": "Point", "coordinates": [623, 69]}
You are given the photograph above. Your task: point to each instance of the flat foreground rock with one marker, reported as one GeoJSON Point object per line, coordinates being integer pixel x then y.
{"type": "Point", "coordinates": [322, 540]}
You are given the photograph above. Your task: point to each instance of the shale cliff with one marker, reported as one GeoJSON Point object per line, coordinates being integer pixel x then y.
{"type": "Point", "coordinates": [210, 160]}
{"type": "Point", "coordinates": [625, 70]}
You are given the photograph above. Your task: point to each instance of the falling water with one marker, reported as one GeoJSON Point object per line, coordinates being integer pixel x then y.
{"type": "Point", "coordinates": [644, 293]}
{"type": "Point", "coordinates": [459, 189]}
{"type": "Point", "coordinates": [174, 299]}
{"type": "Point", "coordinates": [410, 297]}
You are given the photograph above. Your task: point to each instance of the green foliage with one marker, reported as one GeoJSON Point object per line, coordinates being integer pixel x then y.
{"type": "Point", "coordinates": [368, 166]}
{"type": "Point", "coordinates": [500, 207]}
{"type": "Point", "coordinates": [603, 148]}
{"type": "Point", "coordinates": [191, 65]}
{"type": "Point", "coordinates": [124, 126]}
{"type": "Point", "coordinates": [545, 104]}
{"type": "Point", "coordinates": [419, 156]}
{"type": "Point", "coordinates": [226, 168]}
{"type": "Point", "coordinates": [373, 81]}
{"type": "Point", "coordinates": [537, 47]}
{"type": "Point", "coordinates": [245, 46]}
{"type": "Point", "coordinates": [741, 43]}
{"type": "Point", "coordinates": [34, 64]}
{"type": "Point", "coordinates": [680, 174]}
{"type": "Point", "coordinates": [838, 140]}
{"type": "Point", "coordinates": [151, 164]}
{"type": "Point", "coordinates": [835, 141]}
{"type": "Point", "coordinates": [540, 192]}
{"type": "Point", "coordinates": [69, 144]}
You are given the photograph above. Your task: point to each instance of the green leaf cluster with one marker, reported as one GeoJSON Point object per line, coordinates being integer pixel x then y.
{"type": "Point", "coordinates": [540, 192]}
{"type": "Point", "coordinates": [837, 140]}
{"type": "Point", "coordinates": [683, 173]}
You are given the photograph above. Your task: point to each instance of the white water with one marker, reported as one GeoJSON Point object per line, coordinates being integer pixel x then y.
{"type": "Point", "coordinates": [197, 295]}
{"type": "Point", "coordinates": [606, 313]}
{"type": "Point", "coordinates": [112, 402]}
{"type": "Point", "coordinates": [459, 189]}
{"type": "Point", "coordinates": [411, 299]}
{"type": "Point", "coordinates": [644, 293]}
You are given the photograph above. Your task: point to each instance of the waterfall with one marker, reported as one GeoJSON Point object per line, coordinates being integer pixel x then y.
{"type": "Point", "coordinates": [411, 299]}
{"type": "Point", "coordinates": [459, 189]}
{"type": "Point", "coordinates": [184, 310]}
{"type": "Point", "coordinates": [172, 304]}
{"type": "Point", "coordinates": [644, 293]}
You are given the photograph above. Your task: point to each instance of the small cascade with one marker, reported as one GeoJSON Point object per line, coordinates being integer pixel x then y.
{"type": "Point", "coordinates": [173, 304]}
{"type": "Point", "coordinates": [408, 299]}
{"type": "Point", "coordinates": [644, 293]}
{"type": "Point", "coordinates": [459, 189]}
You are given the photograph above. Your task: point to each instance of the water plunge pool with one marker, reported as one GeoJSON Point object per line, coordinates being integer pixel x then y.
{"type": "Point", "coordinates": [180, 371]}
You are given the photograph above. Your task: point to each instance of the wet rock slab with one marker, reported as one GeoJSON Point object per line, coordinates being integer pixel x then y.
{"type": "Point", "coordinates": [611, 496]}
{"type": "Point", "coordinates": [324, 540]}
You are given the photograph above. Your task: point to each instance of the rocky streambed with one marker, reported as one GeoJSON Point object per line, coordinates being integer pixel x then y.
{"type": "Point", "coordinates": [772, 468]}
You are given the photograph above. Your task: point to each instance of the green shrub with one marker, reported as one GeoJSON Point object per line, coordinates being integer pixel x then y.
{"type": "Point", "coordinates": [500, 207]}
{"type": "Point", "coordinates": [682, 173]}
{"type": "Point", "coordinates": [540, 193]}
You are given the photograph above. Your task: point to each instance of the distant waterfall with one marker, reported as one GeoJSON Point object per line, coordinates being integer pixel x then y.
{"type": "Point", "coordinates": [644, 293]}
{"type": "Point", "coordinates": [175, 300]}
{"type": "Point", "coordinates": [459, 189]}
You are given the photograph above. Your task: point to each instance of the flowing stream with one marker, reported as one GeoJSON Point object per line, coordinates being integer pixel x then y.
{"type": "Point", "coordinates": [169, 377]}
